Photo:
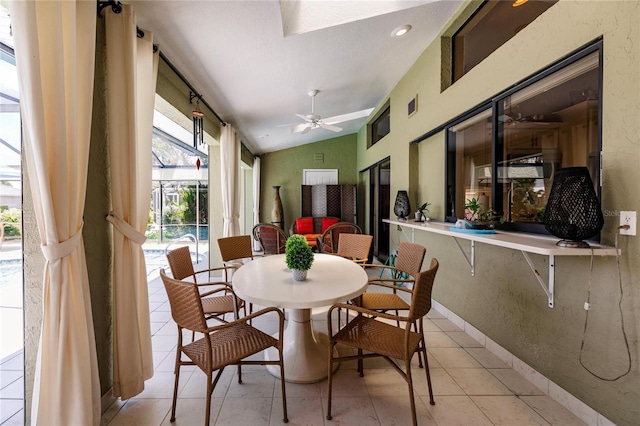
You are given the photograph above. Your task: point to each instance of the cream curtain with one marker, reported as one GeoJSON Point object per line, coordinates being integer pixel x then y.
{"type": "Point", "coordinates": [131, 82]}
{"type": "Point", "coordinates": [256, 198]}
{"type": "Point", "coordinates": [55, 54]}
{"type": "Point", "coordinates": [229, 169]}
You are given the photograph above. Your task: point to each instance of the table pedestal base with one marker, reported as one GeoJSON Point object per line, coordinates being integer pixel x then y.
{"type": "Point", "coordinates": [305, 351]}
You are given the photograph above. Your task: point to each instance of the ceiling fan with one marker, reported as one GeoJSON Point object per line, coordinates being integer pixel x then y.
{"type": "Point", "coordinates": [534, 119]}
{"type": "Point", "coordinates": [314, 121]}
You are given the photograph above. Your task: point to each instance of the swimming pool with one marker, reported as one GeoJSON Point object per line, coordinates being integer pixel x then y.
{"type": "Point", "coordinates": [11, 272]}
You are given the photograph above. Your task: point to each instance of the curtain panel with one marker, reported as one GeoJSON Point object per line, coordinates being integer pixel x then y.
{"type": "Point", "coordinates": [55, 54]}
{"type": "Point", "coordinates": [256, 198]}
{"type": "Point", "coordinates": [131, 82]}
{"type": "Point", "coordinates": [229, 170]}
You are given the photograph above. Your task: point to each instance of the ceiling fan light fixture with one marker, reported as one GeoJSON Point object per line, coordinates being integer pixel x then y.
{"type": "Point", "coordinates": [400, 31]}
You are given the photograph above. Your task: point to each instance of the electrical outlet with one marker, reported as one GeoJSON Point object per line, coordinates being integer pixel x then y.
{"type": "Point", "coordinates": [628, 218]}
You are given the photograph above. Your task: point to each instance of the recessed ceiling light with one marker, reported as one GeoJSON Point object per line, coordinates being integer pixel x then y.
{"type": "Point", "coordinates": [400, 31]}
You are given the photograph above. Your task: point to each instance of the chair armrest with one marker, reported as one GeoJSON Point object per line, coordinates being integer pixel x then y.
{"type": "Point", "coordinates": [361, 310]}
{"type": "Point", "coordinates": [245, 320]}
{"type": "Point", "coordinates": [226, 287]}
{"type": "Point", "coordinates": [360, 262]}
{"type": "Point", "coordinates": [221, 268]}
{"type": "Point", "coordinates": [381, 282]}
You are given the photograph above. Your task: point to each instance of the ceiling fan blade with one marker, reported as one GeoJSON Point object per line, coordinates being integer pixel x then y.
{"type": "Point", "coordinates": [329, 127]}
{"type": "Point", "coordinates": [307, 128]}
{"type": "Point", "coordinates": [300, 128]}
{"type": "Point", "coordinates": [304, 117]}
{"type": "Point", "coordinates": [348, 117]}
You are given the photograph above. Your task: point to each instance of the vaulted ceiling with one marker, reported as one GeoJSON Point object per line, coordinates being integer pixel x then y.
{"type": "Point", "coordinates": [254, 62]}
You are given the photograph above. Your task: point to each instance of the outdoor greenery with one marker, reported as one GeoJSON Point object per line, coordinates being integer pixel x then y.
{"type": "Point", "coordinates": [179, 218]}
{"type": "Point", "coordinates": [188, 196]}
{"type": "Point", "coordinates": [298, 254]}
{"type": "Point", "coordinates": [13, 216]}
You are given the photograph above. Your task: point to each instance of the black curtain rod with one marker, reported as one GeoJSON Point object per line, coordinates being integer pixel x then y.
{"type": "Point", "coordinates": [185, 81]}
{"type": "Point", "coordinates": [116, 7]}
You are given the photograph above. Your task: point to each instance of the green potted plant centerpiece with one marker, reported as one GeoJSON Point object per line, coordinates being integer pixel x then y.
{"type": "Point", "coordinates": [299, 256]}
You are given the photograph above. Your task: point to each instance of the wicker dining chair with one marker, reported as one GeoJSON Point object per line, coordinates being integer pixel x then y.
{"type": "Point", "coordinates": [330, 238]}
{"type": "Point", "coordinates": [221, 345]}
{"type": "Point", "coordinates": [408, 263]}
{"type": "Point", "coordinates": [234, 250]}
{"type": "Point", "coordinates": [216, 303]}
{"type": "Point", "coordinates": [272, 238]}
{"type": "Point", "coordinates": [355, 247]}
{"type": "Point", "coordinates": [373, 337]}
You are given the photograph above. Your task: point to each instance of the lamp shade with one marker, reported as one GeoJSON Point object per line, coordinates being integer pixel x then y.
{"type": "Point", "coordinates": [573, 210]}
{"type": "Point", "coordinates": [402, 208]}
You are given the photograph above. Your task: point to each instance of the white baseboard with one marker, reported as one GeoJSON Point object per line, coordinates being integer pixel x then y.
{"type": "Point", "coordinates": [564, 398]}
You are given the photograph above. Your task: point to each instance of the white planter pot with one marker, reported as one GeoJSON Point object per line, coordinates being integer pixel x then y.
{"type": "Point", "coordinates": [299, 275]}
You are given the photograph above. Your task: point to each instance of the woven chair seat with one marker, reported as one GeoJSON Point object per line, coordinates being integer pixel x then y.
{"type": "Point", "coordinates": [383, 302]}
{"type": "Point", "coordinates": [375, 336]}
{"type": "Point", "coordinates": [229, 346]}
{"type": "Point", "coordinates": [218, 305]}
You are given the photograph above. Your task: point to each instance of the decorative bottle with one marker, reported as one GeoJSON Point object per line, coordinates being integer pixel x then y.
{"type": "Point", "coordinates": [277, 216]}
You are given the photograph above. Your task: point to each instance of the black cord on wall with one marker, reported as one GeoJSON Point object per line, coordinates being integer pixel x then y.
{"type": "Point", "coordinates": [587, 307]}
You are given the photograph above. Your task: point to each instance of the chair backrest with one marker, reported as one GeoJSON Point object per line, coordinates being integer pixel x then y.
{"type": "Point", "coordinates": [331, 236]}
{"type": "Point", "coordinates": [185, 302]}
{"type": "Point", "coordinates": [421, 298]}
{"type": "Point", "coordinates": [238, 247]}
{"type": "Point", "coordinates": [180, 263]}
{"type": "Point", "coordinates": [410, 258]}
{"type": "Point", "coordinates": [271, 237]}
{"type": "Point", "coordinates": [354, 246]}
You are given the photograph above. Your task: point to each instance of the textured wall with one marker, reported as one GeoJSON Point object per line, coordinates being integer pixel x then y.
{"type": "Point", "coordinates": [33, 264]}
{"type": "Point", "coordinates": [97, 232]}
{"type": "Point", "coordinates": [503, 299]}
{"type": "Point", "coordinates": [285, 167]}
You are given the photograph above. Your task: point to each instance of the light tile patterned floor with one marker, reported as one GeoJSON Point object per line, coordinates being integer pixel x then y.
{"type": "Point", "coordinates": [471, 387]}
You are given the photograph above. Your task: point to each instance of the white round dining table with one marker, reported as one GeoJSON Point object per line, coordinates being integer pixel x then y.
{"type": "Point", "coordinates": [266, 281]}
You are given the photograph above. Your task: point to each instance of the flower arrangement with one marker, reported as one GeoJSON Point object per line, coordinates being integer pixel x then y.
{"type": "Point", "coordinates": [298, 255]}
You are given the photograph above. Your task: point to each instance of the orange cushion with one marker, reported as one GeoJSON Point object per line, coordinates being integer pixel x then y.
{"type": "Point", "coordinates": [311, 239]}
{"type": "Point", "coordinates": [304, 225]}
{"type": "Point", "coordinates": [328, 221]}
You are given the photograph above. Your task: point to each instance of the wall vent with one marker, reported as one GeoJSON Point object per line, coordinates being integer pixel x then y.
{"type": "Point", "coordinates": [318, 157]}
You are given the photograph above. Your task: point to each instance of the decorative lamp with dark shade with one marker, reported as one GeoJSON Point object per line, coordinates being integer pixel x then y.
{"type": "Point", "coordinates": [402, 208]}
{"type": "Point", "coordinates": [573, 210]}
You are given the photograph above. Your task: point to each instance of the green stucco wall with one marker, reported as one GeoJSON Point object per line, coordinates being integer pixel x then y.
{"type": "Point", "coordinates": [504, 300]}
{"type": "Point", "coordinates": [285, 167]}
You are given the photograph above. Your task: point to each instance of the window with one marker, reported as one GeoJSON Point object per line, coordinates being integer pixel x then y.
{"type": "Point", "coordinates": [492, 25]}
{"type": "Point", "coordinates": [179, 199]}
{"type": "Point", "coordinates": [506, 151]}
{"type": "Point", "coordinates": [381, 126]}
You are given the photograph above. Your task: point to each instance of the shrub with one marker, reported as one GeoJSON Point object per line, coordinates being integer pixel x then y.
{"type": "Point", "coordinates": [298, 254]}
{"type": "Point", "coordinates": [14, 216]}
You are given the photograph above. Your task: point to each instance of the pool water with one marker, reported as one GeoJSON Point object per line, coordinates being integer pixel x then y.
{"type": "Point", "coordinates": [11, 274]}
